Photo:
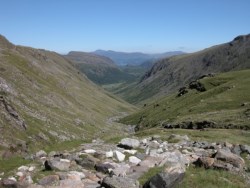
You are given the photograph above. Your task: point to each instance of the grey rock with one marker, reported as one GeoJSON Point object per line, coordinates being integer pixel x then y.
{"type": "Point", "coordinates": [57, 164]}
{"type": "Point", "coordinates": [174, 157]}
{"type": "Point", "coordinates": [41, 153]}
{"type": "Point", "coordinates": [71, 183]}
{"type": "Point", "coordinates": [230, 158]}
{"type": "Point", "coordinates": [168, 178]}
{"type": "Point", "coordinates": [8, 183]}
{"type": "Point", "coordinates": [121, 169]}
{"type": "Point", "coordinates": [218, 164]}
{"type": "Point", "coordinates": [129, 143]}
{"type": "Point", "coordinates": [205, 162]}
{"type": "Point", "coordinates": [236, 150]}
{"type": "Point", "coordinates": [151, 161]}
{"type": "Point", "coordinates": [119, 182]}
{"type": "Point", "coordinates": [245, 148]}
{"type": "Point", "coordinates": [87, 161]}
{"type": "Point", "coordinates": [49, 180]}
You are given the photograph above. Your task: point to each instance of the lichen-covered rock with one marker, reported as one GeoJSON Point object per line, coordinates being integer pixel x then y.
{"type": "Point", "coordinates": [230, 158]}
{"type": "Point", "coordinates": [168, 178]}
{"type": "Point", "coordinates": [119, 182]}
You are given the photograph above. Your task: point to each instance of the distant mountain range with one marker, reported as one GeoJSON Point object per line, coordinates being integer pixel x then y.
{"type": "Point", "coordinates": [100, 69]}
{"type": "Point", "coordinates": [169, 74]}
{"type": "Point", "coordinates": [134, 58]}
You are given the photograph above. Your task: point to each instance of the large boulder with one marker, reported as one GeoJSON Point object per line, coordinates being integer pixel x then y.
{"type": "Point", "coordinates": [57, 164]}
{"type": "Point", "coordinates": [174, 157]}
{"type": "Point", "coordinates": [119, 182]}
{"type": "Point", "coordinates": [205, 162]}
{"type": "Point", "coordinates": [129, 143]}
{"type": "Point", "coordinates": [230, 158]}
{"type": "Point", "coordinates": [168, 178]}
{"type": "Point", "coordinates": [49, 180]}
{"type": "Point", "coordinates": [41, 153]}
{"type": "Point", "coordinates": [87, 161]}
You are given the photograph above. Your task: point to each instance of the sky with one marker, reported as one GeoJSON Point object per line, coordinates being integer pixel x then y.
{"type": "Point", "coordinates": [150, 26]}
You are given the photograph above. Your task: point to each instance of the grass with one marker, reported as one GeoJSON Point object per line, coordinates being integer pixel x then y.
{"type": "Point", "coordinates": [51, 95]}
{"type": "Point", "coordinates": [233, 136]}
{"type": "Point", "coordinates": [149, 174]}
{"type": "Point", "coordinates": [247, 161]}
{"type": "Point", "coordinates": [41, 174]}
{"type": "Point", "coordinates": [221, 103]}
{"type": "Point", "coordinates": [66, 145]}
{"type": "Point", "coordinates": [197, 177]}
{"type": "Point", "coordinates": [8, 165]}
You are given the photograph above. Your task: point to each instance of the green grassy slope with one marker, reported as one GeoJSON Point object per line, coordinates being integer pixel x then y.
{"type": "Point", "coordinates": [99, 69]}
{"type": "Point", "coordinates": [56, 102]}
{"type": "Point", "coordinates": [226, 102]}
{"type": "Point", "coordinates": [168, 75]}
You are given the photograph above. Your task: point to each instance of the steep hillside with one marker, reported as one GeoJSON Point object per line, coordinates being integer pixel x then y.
{"type": "Point", "coordinates": [134, 58]}
{"type": "Point", "coordinates": [168, 75]}
{"type": "Point", "coordinates": [99, 69]}
{"type": "Point", "coordinates": [220, 101]}
{"type": "Point", "coordinates": [44, 99]}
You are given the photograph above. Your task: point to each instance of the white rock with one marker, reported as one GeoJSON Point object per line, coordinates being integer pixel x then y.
{"type": "Point", "coordinates": [2, 173]}
{"type": "Point", "coordinates": [32, 168]}
{"type": "Point", "coordinates": [119, 156]}
{"type": "Point", "coordinates": [19, 174]}
{"type": "Point", "coordinates": [160, 150]}
{"type": "Point", "coordinates": [132, 151]}
{"type": "Point", "coordinates": [12, 178]}
{"type": "Point", "coordinates": [89, 151]}
{"type": "Point", "coordinates": [28, 179]}
{"type": "Point", "coordinates": [109, 154]}
{"type": "Point", "coordinates": [23, 168]}
{"type": "Point", "coordinates": [144, 141]}
{"type": "Point", "coordinates": [134, 160]}
{"type": "Point", "coordinates": [65, 160]}
{"type": "Point", "coordinates": [130, 143]}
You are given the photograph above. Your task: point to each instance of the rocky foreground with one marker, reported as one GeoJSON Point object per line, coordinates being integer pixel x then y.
{"type": "Point", "coordinates": [100, 164]}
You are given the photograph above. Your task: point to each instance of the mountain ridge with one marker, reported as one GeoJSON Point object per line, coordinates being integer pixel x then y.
{"type": "Point", "coordinates": [169, 74]}
{"type": "Point", "coordinates": [133, 58]}
{"type": "Point", "coordinates": [45, 99]}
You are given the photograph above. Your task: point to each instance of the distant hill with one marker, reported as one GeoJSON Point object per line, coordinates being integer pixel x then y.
{"type": "Point", "coordinates": [99, 69]}
{"type": "Point", "coordinates": [44, 99]}
{"type": "Point", "coordinates": [133, 58]}
{"type": "Point", "coordinates": [169, 74]}
{"type": "Point", "coordinates": [219, 101]}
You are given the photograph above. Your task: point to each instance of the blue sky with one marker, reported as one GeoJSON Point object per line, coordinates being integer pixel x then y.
{"type": "Point", "coordinates": [123, 25]}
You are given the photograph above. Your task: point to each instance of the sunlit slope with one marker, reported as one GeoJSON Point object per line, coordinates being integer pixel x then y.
{"type": "Point", "coordinates": [45, 99]}
{"type": "Point", "coordinates": [225, 103]}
